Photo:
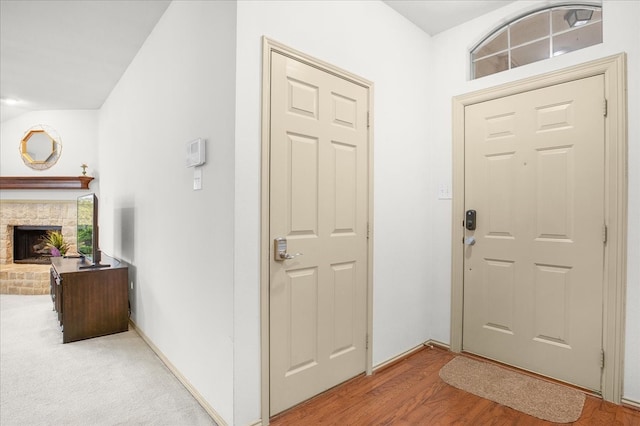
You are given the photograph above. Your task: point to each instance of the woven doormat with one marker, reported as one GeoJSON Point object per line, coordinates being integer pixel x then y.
{"type": "Point", "coordinates": [538, 398]}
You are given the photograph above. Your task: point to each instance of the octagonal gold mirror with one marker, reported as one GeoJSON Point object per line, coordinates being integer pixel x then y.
{"type": "Point", "coordinates": [39, 149]}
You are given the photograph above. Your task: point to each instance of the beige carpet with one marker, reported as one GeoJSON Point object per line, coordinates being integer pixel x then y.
{"type": "Point", "coordinates": [105, 381]}
{"type": "Point", "coordinates": [538, 398]}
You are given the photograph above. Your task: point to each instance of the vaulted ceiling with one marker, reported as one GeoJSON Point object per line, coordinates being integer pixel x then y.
{"type": "Point", "coordinates": [434, 16]}
{"type": "Point", "coordinates": [69, 54]}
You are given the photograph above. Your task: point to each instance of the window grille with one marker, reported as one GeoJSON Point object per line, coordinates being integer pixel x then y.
{"type": "Point", "coordinates": [539, 35]}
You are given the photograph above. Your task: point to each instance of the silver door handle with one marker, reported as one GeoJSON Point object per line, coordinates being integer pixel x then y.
{"type": "Point", "coordinates": [470, 241]}
{"type": "Point", "coordinates": [280, 250]}
{"type": "Point", "coordinates": [287, 256]}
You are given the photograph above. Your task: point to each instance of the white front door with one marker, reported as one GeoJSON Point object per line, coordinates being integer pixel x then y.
{"type": "Point", "coordinates": [318, 202]}
{"type": "Point", "coordinates": [534, 174]}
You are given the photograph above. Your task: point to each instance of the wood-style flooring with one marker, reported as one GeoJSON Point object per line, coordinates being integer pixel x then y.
{"type": "Point", "coordinates": [411, 392]}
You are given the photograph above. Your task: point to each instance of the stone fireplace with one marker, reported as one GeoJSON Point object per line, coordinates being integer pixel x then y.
{"type": "Point", "coordinates": [29, 278]}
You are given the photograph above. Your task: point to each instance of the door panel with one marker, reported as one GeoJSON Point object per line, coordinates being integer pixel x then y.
{"type": "Point", "coordinates": [534, 171]}
{"type": "Point", "coordinates": [318, 202]}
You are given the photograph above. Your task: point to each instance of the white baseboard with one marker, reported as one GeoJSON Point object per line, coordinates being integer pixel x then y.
{"type": "Point", "coordinates": [214, 415]}
{"type": "Point", "coordinates": [410, 352]}
{"type": "Point", "coordinates": [631, 403]}
{"type": "Point", "coordinates": [437, 344]}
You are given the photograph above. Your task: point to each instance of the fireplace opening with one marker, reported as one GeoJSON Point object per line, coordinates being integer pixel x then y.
{"type": "Point", "coordinates": [27, 244]}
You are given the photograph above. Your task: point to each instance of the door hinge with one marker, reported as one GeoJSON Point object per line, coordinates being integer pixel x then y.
{"type": "Point", "coordinates": [605, 234]}
{"type": "Point", "coordinates": [602, 358]}
{"type": "Point", "coordinates": [605, 107]}
{"type": "Point", "coordinates": [368, 230]}
{"type": "Point", "coordinates": [368, 122]}
{"type": "Point", "coordinates": [366, 341]}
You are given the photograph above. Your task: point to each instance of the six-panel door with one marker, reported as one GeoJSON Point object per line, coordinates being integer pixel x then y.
{"type": "Point", "coordinates": [534, 172]}
{"type": "Point", "coordinates": [318, 202]}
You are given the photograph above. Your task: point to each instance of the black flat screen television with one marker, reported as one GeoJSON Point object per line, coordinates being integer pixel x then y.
{"type": "Point", "coordinates": [87, 231]}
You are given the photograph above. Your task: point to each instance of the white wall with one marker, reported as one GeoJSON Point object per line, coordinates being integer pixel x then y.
{"type": "Point", "coordinates": [369, 39]}
{"type": "Point", "coordinates": [450, 72]}
{"type": "Point", "coordinates": [78, 131]}
{"type": "Point", "coordinates": [195, 254]}
{"type": "Point", "coordinates": [179, 87]}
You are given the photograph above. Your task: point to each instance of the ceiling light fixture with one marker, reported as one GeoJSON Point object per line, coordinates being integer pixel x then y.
{"type": "Point", "coordinates": [577, 17]}
{"type": "Point", "coordinates": [10, 102]}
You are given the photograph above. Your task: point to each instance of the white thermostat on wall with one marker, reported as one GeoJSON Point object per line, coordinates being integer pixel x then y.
{"type": "Point", "coordinates": [196, 152]}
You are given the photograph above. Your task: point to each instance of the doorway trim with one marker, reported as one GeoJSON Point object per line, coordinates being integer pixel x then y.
{"type": "Point", "coordinates": [614, 70]}
{"type": "Point", "coordinates": [268, 46]}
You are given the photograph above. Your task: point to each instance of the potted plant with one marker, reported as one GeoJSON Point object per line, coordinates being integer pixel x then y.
{"type": "Point", "coordinates": [54, 241]}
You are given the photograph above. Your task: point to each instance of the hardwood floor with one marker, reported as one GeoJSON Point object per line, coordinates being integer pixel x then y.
{"type": "Point", "coordinates": [412, 393]}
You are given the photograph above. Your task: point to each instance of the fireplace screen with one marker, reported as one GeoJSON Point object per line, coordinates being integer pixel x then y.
{"type": "Point", "coordinates": [27, 244]}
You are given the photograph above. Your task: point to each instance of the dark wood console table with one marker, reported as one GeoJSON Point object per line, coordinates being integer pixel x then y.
{"type": "Point", "coordinates": [90, 302]}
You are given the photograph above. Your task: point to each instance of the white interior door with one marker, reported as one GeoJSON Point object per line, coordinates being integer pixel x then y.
{"type": "Point", "coordinates": [534, 173]}
{"type": "Point", "coordinates": [318, 202]}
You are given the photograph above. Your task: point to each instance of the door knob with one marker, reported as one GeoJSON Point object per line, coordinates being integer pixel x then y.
{"type": "Point", "coordinates": [470, 241]}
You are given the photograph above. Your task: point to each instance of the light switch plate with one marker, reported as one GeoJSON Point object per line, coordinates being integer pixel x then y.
{"type": "Point", "coordinates": [444, 191]}
{"type": "Point", "coordinates": [197, 179]}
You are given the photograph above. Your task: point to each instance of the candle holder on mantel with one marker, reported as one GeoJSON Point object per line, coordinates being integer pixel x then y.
{"type": "Point", "coordinates": [84, 169]}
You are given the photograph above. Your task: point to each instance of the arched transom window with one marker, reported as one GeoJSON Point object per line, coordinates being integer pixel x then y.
{"type": "Point", "coordinates": [537, 36]}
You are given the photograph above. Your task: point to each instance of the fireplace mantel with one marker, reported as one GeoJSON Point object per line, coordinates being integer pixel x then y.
{"type": "Point", "coordinates": [45, 182]}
